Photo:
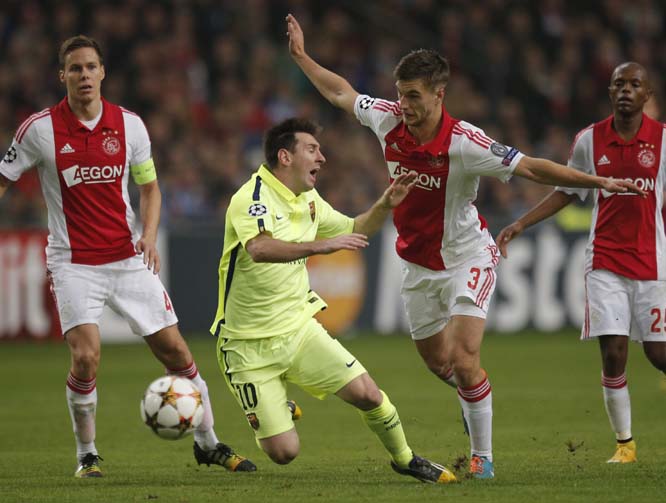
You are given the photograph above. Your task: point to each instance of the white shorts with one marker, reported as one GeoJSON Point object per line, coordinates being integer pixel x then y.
{"type": "Point", "coordinates": [432, 297]}
{"type": "Point", "coordinates": [621, 306]}
{"type": "Point", "coordinates": [126, 286]}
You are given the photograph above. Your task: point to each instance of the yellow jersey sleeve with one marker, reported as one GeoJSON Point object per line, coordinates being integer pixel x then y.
{"type": "Point", "coordinates": [331, 222]}
{"type": "Point", "coordinates": [249, 215]}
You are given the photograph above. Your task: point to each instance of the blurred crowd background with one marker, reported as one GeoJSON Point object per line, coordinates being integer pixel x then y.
{"type": "Point", "coordinates": [209, 76]}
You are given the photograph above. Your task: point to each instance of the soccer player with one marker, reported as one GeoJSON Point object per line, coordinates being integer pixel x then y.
{"type": "Point", "coordinates": [267, 335]}
{"type": "Point", "coordinates": [625, 266]}
{"type": "Point", "coordinates": [448, 256]}
{"type": "Point", "coordinates": [85, 149]}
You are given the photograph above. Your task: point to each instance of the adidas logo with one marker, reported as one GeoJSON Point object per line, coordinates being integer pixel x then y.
{"type": "Point", "coordinates": [603, 160]}
{"type": "Point", "coordinates": [67, 149]}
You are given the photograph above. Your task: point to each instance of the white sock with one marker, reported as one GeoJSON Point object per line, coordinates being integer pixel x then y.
{"type": "Point", "coordinates": [82, 404]}
{"type": "Point", "coordinates": [204, 435]}
{"type": "Point", "coordinates": [477, 405]}
{"type": "Point", "coordinates": [618, 405]}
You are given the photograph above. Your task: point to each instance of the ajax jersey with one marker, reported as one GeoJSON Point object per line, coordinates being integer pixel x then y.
{"type": "Point", "coordinates": [627, 233]}
{"type": "Point", "coordinates": [83, 175]}
{"type": "Point", "coordinates": [438, 225]}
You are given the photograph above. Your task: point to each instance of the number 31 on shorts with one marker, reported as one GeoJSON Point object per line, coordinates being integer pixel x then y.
{"type": "Point", "coordinates": [474, 282]}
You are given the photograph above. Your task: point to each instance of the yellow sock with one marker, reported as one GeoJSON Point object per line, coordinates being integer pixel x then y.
{"type": "Point", "coordinates": [385, 422]}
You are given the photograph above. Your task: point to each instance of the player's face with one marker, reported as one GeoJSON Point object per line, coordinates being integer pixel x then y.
{"type": "Point", "coordinates": [629, 89]}
{"type": "Point", "coordinates": [304, 162]}
{"type": "Point", "coordinates": [82, 75]}
{"type": "Point", "coordinates": [417, 102]}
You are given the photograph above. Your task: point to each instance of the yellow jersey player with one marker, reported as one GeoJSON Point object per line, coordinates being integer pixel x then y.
{"type": "Point", "coordinates": [267, 336]}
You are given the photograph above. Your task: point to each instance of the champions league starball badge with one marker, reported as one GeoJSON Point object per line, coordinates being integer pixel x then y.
{"type": "Point", "coordinates": [11, 155]}
{"type": "Point", "coordinates": [256, 210]}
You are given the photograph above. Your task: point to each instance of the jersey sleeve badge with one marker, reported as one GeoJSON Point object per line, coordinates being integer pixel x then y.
{"type": "Point", "coordinates": [257, 209]}
{"type": "Point", "coordinates": [11, 155]}
{"type": "Point", "coordinates": [366, 102]}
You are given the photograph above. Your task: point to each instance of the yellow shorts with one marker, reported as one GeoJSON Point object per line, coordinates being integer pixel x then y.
{"type": "Point", "coordinates": [258, 370]}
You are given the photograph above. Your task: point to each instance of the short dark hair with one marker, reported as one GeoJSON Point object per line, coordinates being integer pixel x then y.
{"type": "Point", "coordinates": [283, 135]}
{"type": "Point", "coordinates": [78, 42]}
{"type": "Point", "coordinates": [425, 64]}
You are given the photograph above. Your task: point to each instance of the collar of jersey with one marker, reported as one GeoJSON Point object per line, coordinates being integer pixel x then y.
{"type": "Point", "coordinates": [434, 146]}
{"type": "Point", "coordinates": [73, 122]}
{"type": "Point", "coordinates": [643, 134]}
{"type": "Point", "coordinates": [269, 179]}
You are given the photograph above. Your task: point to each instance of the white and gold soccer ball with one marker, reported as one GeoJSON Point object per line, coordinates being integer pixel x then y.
{"type": "Point", "coordinates": [172, 407]}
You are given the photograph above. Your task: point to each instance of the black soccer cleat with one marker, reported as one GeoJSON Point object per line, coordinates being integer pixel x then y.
{"type": "Point", "coordinates": [426, 471]}
{"type": "Point", "coordinates": [89, 466]}
{"type": "Point", "coordinates": [225, 456]}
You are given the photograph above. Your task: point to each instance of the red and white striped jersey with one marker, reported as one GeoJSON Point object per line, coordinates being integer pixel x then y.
{"type": "Point", "coordinates": [83, 174]}
{"type": "Point", "coordinates": [627, 234]}
{"type": "Point", "coordinates": [438, 225]}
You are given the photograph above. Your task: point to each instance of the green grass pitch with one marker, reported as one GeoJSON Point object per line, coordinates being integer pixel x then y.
{"type": "Point", "coordinates": [551, 434]}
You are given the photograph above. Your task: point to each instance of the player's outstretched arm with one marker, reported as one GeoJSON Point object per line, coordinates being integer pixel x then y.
{"type": "Point", "coordinates": [4, 184]}
{"type": "Point", "coordinates": [550, 173]}
{"type": "Point", "coordinates": [371, 221]}
{"type": "Point", "coordinates": [334, 88]}
{"type": "Point", "coordinates": [265, 248]}
{"type": "Point", "coordinates": [150, 204]}
{"type": "Point", "coordinates": [550, 205]}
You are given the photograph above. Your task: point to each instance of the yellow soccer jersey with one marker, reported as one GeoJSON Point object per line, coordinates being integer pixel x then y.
{"type": "Point", "coordinates": [259, 300]}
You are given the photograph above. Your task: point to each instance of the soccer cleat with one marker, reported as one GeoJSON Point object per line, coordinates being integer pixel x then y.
{"type": "Point", "coordinates": [624, 453]}
{"type": "Point", "coordinates": [426, 471]}
{"type": "Point", "coordinates": [296, 411]}
{"type": "Point", "coordinates": [481, 467]}
{"type": "Point", "coordinates": [89, 466]}
{"type": "Point", "coordinates": [223, 455]}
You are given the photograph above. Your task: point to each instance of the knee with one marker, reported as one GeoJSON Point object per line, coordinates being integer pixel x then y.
{"type": "Point", "coordinates": [369, 398]}
{"type": "Point", "coordinates": [283, 455]}
{"type": "Point", "coordinates": [85, 361]}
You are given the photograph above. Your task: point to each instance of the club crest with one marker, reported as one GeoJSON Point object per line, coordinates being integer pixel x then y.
{"type": "Point", "coordinates": [313, 211]}
{"type": "Point", "coordinates": [646, 158]}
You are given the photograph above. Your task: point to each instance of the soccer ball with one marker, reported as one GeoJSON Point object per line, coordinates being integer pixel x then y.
{"type": "Point", "coordinates": [172, 407]}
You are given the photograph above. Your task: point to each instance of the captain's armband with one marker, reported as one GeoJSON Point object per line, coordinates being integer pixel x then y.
{"type": "Point", "coordinates": [144, 173]}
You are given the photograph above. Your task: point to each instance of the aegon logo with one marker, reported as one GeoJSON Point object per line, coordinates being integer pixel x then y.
{"type": "Point", "coordinates": [423, 180]}
{"type": "Point", "coordinates": [646, 184]}
{"type": "Point", "coordinates": [91, 174]}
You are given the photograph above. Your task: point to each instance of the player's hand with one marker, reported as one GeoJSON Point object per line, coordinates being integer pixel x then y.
{"type": "Point", "coordinates": [148, 248]}
{"type": "Point", "coordinates": [353, 241]}
{"type": "Point", "coordinates": [506, 235]}
{"type": "Point", "coordinates": [398, 190]}
{"type": "Point", "coordinates": [620, 186]}
{"type": "Point", "coordinates": [296, 38]}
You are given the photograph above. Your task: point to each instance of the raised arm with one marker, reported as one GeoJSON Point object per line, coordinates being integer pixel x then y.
{"type": "Point", "coordinates": [550, 205]}
{"type": "Point", "coordinates": [334, 88]}
{"type": "Point", "coordinates": [550, 173]}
